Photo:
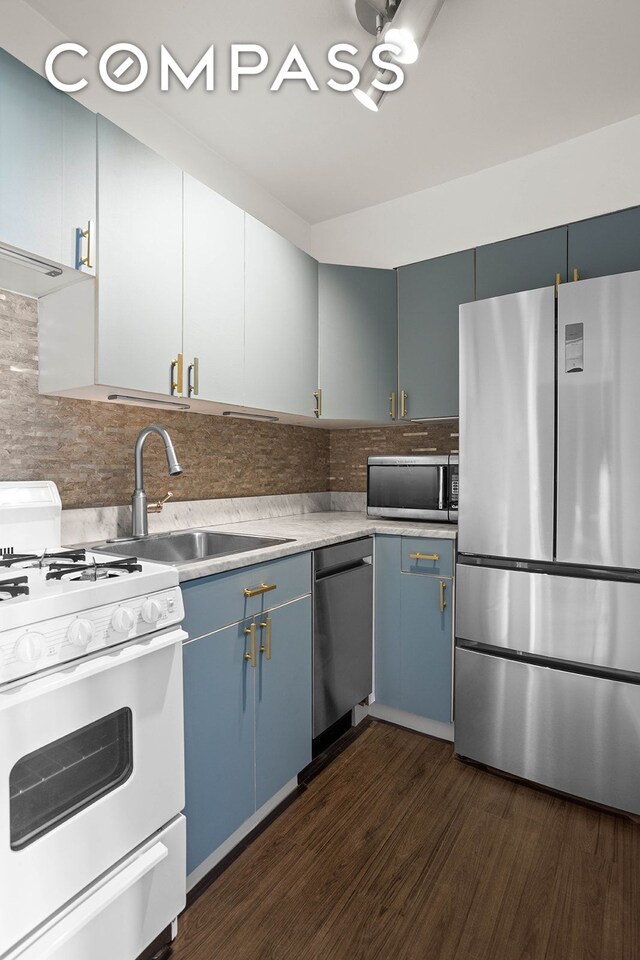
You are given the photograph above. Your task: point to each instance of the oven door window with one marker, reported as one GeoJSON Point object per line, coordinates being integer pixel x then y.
{"type": "Point", "coordinates": [57, 781]}
{"type": "Point", "coordinates": [405, 487]}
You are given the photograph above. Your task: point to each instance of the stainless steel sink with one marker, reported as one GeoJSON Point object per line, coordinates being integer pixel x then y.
{"type": "Point", "coordinates": [186, 546]}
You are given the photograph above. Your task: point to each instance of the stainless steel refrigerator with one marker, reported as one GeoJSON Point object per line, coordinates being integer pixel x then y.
{"type": "Point", "coordinates": [548, 578]}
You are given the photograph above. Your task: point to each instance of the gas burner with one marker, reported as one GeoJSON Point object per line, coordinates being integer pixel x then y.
{"type": "Point", "coordinates": [94, 571]}
{"type": "Point", "coordinates": [46, 559]}
{"type": "Point", "coordinates": [14, 587]}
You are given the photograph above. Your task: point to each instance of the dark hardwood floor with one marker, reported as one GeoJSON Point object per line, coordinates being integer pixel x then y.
{"type": "Point", "coordinates": [396, 851]}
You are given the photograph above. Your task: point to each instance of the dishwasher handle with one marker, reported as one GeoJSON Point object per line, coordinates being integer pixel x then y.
{"type": "Point", "coordinates": [339, 569]}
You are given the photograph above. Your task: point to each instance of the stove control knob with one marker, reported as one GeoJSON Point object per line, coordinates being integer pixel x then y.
{"type": "Point", "coordinates": [123, 620]}
{"type": "Point", "coordinates": [80, 632]}
{"type": "Point", "coordinates": [151, 611]}
{"type": "Point", "coordinates": [29, 647]}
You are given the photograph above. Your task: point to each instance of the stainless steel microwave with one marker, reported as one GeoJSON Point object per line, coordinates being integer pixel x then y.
{"type": "Point", "coordinates": [418, 488]}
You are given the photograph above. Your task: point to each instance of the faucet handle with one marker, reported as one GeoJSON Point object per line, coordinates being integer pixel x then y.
{"type": "Point", "coordinates": [157, 507]}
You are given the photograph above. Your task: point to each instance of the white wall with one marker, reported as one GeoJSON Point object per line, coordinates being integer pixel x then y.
{"type": "Point", "coordinates": [593, 174]}
{"type": "Point", "coordinates": [26, 34]}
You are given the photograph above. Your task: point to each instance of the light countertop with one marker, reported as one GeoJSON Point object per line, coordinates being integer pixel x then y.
{"type": "Point", "coordinates": [307, 532]}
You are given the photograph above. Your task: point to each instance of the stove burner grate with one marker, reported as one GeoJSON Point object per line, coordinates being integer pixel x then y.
{"type": "Point", "coordinates": [46, 559]}
{"type": "Point", "coordinates": [14, 587]}
{"type": "Point", "coordinates": [94, 571]}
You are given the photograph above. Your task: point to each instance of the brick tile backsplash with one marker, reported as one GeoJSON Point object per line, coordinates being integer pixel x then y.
{"type": "Point", "coordinates": [350, 449]}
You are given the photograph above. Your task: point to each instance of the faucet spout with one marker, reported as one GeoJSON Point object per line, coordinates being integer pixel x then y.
{"type": "Point", "coordinates": [139, 521]}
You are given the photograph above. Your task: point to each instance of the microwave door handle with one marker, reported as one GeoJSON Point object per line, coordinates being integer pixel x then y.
{"type": "Point", "coordinates": [441, 472]}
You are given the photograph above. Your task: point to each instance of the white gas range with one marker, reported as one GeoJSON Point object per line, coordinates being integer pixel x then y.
{"type": "Point", "coordinates": [91, 742]}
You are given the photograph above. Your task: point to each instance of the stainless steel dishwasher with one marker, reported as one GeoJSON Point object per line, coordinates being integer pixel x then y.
{"type": "Point", "coordinates": [342, 629]}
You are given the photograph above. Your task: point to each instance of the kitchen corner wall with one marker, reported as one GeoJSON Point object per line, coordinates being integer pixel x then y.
{"type": "Point", "coordinates": [87, 448]}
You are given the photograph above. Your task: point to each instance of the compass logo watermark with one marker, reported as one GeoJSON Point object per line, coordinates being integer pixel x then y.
{"type": "Point", "coordinates": [125, 67]}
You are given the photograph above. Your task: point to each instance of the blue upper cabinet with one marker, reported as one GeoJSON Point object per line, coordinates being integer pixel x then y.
{"type": "Point", "coordinates": [429, 296]}
{"type": "Point", "coordinates": [281, 323]}
{"type": "Point", "coordinates": [524, 263]}
{"type": "Point", "coordinates": [213, 300]}
{"type": "Point", "coordinates": [357, 342]}
{"type": "Point", "coordinates": [47, 167]}
{"type": "Point", "coordinates": [140, 263]}
{"type": "Point", "coordinates": [605, 245]}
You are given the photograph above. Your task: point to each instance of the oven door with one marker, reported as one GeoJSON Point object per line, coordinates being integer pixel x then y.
{"type": "Point", "coordinates": [408, 488]}
{"type": "Point", "coordinates": [91, 765]}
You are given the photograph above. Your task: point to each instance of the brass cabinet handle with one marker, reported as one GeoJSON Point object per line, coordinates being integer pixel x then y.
{"type": "Point", "coordinates": [576, 274]}
{"type": "Point", "coordinates": [177, 375]}
{"type": "Point", "coordinates": [424, 556]}
{"type": "Point", "coordinates": [558, 281]}
{"type": "Point", "coordinates": [318, 408]}
{"type": "Point", "coordinates": [404, 396]}
{"type": "Point", "coordinates": [252, 657]}
{"type": "Point", "coordinates": [256, 591]}
{"type": "Point", "coordinates": [80, 236]}
{"type": "Point", "coordinates": [266, 646]}
{"type": "Point", "coordinates": [443, 602]}
{"type": "Point", "coordinates": [392, 401]}
{"type": "Point", "coordinates": [193, 378]}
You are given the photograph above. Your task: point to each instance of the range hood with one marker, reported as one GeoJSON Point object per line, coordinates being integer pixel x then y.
{"type": "Point", "coordinates": [33, 276]}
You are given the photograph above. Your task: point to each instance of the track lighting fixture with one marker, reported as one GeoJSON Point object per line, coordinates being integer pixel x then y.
{"type": "Point", "coordinates": [405, 24]}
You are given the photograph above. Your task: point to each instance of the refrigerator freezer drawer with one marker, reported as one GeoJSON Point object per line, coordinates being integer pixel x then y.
{"type": "Point", "coordinates": [572, 732]}
{"type": "Point", "coordinates": [593, 622]}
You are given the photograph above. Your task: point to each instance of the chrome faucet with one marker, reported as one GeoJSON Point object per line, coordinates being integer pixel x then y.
{"type": "Point", "coordinates": [139, 524]}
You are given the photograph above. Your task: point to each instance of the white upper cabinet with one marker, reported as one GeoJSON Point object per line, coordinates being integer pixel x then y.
{"type": "Point", "coordinates": [281, 323]}
{"type": "Point", "coordinates": [140, 265]}
{"type": "Point", "coordinates": [358, 342]}
{"type": "Point", "coordinates": [213, 301]}
{"type": "Point", "coordinates": [47, 167]}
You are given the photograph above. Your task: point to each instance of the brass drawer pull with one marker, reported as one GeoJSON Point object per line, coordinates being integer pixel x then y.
{"type": "Point", "coordinates": [424, 556]}
{"type": "Point", "coordinates": [257, 591]}
{"type": "Point", "coordinates": [266, 646]}
{"type": "Point", "coordinates": [392, 401]}
{"type": "Point", "coordinates": [318, 407]}
{"type": "Point", "coordinates": [252, 657]}
{"type": "Point", "coordinates": [404, 396]}
{"type": "Point", "coordinates": [443, 602]}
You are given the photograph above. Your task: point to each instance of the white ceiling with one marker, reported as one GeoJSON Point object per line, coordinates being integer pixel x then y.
{"type": "Point", "coordinates": [497, 79]}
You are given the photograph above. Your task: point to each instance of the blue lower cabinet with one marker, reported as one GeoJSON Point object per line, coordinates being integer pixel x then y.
{"type": "Point", "coordinates": [283, 697]}
{"type": "Point", "coordinates": [219, 739]}
{"type": "Point", "coordinates": [388, 644]}
{"type": "Point", "coordinates": [426, 607]}
{"type": "Point", "coordinates": [413, 635]}
{"type": "Point", "coordinates": [247, 727]}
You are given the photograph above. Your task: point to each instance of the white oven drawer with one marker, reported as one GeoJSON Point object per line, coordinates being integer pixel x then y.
{"type": "Point", "coordinates": [91, 766]}
{"type": "Point", "coordinates": [125, 911]}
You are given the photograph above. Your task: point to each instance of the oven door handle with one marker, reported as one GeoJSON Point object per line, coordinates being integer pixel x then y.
{"type": "Point", "coordinates": [70, 925]}
{"type": "Point", "coordinates": [105, 659]}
